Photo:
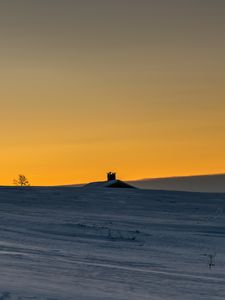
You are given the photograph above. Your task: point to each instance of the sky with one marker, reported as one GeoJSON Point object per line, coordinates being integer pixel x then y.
{"type": "Point", "coordinates": [91, 86]}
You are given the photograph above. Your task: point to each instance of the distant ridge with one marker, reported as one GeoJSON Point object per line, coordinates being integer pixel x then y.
{"type": "Point", "coordinates": [198, 183]}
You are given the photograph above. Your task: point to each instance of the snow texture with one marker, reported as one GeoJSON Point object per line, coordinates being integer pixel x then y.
{"type": "Point", "coordinates": [112, 244]}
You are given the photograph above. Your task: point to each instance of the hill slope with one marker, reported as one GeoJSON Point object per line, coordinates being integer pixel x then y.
{"type": "Point", "coordinates": [114, 244]}
{"type": "Point", "coordinates": [201, 183]}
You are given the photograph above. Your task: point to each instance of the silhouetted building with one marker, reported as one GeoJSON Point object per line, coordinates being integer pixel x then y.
{"type": "Point", "coordinates": [111, 182]}
{"type": "Point", "coordinates": [111, 176]}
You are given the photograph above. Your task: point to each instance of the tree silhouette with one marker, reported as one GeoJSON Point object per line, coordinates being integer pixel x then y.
{"type": "Point", "coordinates": [21, 181]}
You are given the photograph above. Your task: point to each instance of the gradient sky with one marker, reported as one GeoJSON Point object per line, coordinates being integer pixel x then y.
{"type": "Point", "coordinates": [130, 86]}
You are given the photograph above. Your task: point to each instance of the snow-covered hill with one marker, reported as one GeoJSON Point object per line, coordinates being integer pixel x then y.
{"type": "Point", "coordinates": [112, 244]}
{"type": "Point", "coordinates": [200, 183]}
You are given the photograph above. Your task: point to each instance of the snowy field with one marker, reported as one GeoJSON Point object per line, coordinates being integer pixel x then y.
{"type": "Point", "coordinates": [111, 244]}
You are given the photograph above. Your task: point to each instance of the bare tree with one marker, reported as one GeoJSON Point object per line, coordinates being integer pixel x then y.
{"type": "Point", "coordinates": [21, 181]}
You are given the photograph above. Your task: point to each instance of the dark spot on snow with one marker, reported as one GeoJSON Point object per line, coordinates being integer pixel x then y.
{"type": "Point", "coordinates": [4, 296]}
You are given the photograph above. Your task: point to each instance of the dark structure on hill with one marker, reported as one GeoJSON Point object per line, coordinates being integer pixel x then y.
{"type": "Point", "coordinates": [111, 182]}
{"type": "Point", "coordinates": [111, 176]}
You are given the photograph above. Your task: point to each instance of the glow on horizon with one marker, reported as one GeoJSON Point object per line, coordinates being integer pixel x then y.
{"type": "Point", "coordinates": [135, 87]}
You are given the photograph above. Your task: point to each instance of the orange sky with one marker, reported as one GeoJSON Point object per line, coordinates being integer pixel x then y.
{"type": "Point", "coordinates": [135, 87]}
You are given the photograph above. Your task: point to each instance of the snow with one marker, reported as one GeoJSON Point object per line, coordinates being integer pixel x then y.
{"type": "Point", "coordinates": [114, 244]}
{"type": "Point", "coordinates": [200, 183]}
